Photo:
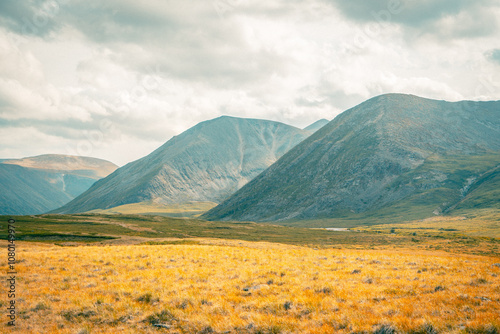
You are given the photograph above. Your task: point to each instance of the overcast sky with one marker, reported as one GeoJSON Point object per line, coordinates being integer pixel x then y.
{"type": "Point", "coordinates": [115, 79]}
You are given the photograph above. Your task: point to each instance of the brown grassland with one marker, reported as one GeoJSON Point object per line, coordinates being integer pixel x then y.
{"type": "Point", "coordinates": [207, 285]}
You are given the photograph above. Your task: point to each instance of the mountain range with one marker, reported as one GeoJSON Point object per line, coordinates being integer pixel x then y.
{"type": "Point", "coordinates": [206, 163]}
{"type": "Point", "coordinates": [395, 154]}
{"type": "Point", "coordinates": [38, 184]}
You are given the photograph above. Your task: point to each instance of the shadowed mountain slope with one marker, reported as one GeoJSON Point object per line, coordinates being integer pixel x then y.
{"type": "Point", "coordinates": [399, 153]}
{"type": "Point", "coordinates": [38, 184]}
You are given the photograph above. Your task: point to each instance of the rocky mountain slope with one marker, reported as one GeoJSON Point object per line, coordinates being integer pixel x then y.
{"type": "Point", "coordinates": [38, 184]}
{"type": "Point", "coordinates": [206, 163]}
{"type": "Point", "coordinates": [399, 153]}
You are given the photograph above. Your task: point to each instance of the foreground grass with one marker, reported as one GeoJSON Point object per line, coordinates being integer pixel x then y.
{"type": "Point", "coordinates": [230, 286]}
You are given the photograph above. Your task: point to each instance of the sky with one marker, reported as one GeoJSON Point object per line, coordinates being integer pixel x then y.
{"type": "Point", "coordinates": [116, 79]}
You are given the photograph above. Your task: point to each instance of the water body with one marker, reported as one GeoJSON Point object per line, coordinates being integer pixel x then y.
{"type": "Point", "coordinates": [337, 229]}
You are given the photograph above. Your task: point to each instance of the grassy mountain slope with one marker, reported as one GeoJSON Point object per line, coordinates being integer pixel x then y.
{"type": "Point", "coordinates": [394, 154]}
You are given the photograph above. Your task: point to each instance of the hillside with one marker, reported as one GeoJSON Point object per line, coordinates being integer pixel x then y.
{"type": "Point", "coordinates": [38, 184]}
{"type": "Point", "coordinates": [391, 155]}
{"type": "Point", "coordinates": [28, 191]}
{"type": "Point", "coordinates": [206, 163]}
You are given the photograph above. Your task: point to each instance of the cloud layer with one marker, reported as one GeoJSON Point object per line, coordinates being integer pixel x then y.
{"type": "Point", "coordinates": [117, 78]}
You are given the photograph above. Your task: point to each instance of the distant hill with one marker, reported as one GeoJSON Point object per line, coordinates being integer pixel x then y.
{"type": "Point", "coordinates": [76, 165]}
{"type": "Point", "coordinates": [395, 154]}
{"type": "Point", "coordinates": [206, 163]}
{"type": "Point", "coordinates": [317, 125]}
{"type": "Point", "coordinates": [38, 184]}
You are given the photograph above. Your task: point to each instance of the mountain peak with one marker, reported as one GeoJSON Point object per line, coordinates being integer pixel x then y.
{"type": "Point", "coordinates": [206, 163]}
{"type": "Point", "coordinates": [316, 125]}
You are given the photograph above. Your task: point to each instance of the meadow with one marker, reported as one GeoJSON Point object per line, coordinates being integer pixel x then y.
{"type": "Point", "coordinates": [185, 210]}
{"type": "Point", "coordinates": [143, 274]}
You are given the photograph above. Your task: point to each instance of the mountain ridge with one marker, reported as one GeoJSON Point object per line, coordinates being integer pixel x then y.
{"type": "Point", "coordinates": [99, 168]}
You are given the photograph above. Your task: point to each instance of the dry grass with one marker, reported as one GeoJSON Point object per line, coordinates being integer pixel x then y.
{"type": "Point", "coordinates": [191, 209]}
{"type": "Point", "coordinates": [244, 287]}
{"type": "Point", "coordinates": [478, 223]}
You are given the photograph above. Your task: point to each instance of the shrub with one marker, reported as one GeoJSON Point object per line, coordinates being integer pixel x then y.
{"type": "Point", "coordinates": [489, 329]}
{"type": "Point", "coordinates": [147, 298]}
{"type": "Point", "coordinates": [385, 329]}
{"type": "Point", "coordinates": [163, 316]}
{"type": "Point", "coordinates": [425, 329]}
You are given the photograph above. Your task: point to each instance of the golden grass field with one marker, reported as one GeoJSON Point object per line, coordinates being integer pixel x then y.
{"type": "Point", "coordinates": [222, 286]}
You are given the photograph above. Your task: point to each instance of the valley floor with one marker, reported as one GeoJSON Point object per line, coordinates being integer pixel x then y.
{"type": "Point", "coordinates": [208, 285]}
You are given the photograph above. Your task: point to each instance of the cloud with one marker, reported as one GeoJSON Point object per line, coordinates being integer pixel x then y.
{"type": "Point", "coordinates": [32, 18]}
{"type": "Point", "coordinates": [438, 18]}
{"type": "Point", "coordinates": [96, 77]}
{"type": "Point", "coordinates": [189, 40]}
{"type": "Point", "coordinates": [493, 56]}
{"type": "Point", "coordinates": [25, 93]}
{"type": "Point", "coordinates": [407, 12]}
{"type": "Point", "coordinates": [23, 141]}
